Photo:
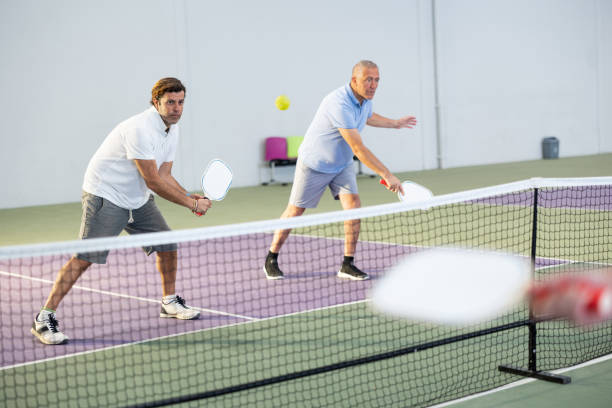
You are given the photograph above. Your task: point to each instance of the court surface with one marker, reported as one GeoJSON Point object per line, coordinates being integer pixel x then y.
{"type": "Point", "coordinates": [589, 388]}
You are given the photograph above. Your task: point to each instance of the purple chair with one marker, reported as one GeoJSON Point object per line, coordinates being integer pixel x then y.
{"type": "Point", "coordinates": [276, 148]}
{"type": "Point", "coordinates": [276, 155]}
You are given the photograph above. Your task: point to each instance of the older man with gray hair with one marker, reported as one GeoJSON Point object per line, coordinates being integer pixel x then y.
{"type": "Point", "coordinates": [325, 159]}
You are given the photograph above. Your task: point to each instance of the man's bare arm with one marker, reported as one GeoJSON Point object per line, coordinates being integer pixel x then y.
{"type": "Point", "coordinates": [365, 155]}
{"type": "Point", "coordinates": [377, 120]}
{"type": "Point", "coordinates": [165, 172]}
{"type": "Point", "coordinates": [163, 184]}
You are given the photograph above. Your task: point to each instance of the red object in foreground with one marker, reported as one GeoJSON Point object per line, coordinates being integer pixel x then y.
{"type": "Point", "coordinates": [582, 299]}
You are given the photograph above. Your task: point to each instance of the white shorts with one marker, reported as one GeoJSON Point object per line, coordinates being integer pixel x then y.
{"type": "Point", "coordinates": [309, 185]}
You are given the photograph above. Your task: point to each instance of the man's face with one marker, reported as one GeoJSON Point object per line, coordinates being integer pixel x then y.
{"type": "Point", "coordinates": [365, 82]}
{"type": "Point", "coordinates": [170, 107]}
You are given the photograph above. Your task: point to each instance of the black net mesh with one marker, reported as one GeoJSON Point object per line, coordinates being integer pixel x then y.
{"type": "Point", "coordinates": [310, 339]}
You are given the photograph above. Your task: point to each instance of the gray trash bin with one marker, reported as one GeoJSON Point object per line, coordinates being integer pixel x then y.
{"type": "Point", "coordinates": [550, 148]}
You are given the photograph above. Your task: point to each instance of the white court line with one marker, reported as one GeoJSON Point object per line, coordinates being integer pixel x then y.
{"type": "Point", "coordinates": [120, 295]}
{"type": "Point", "coordinates": [255, 320]}
{"type": "Point", "coordinates": [522, 382]}
{"type": "Point", "coordinates": [530, 380]}
{"type": "Point", "coordinates": [175, 335]}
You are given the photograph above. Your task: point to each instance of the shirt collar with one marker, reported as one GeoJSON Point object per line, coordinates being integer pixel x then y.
{"type": "Point", "coordinates": [349, 91]}
{"type": "Point", "coordinates": [158, 121]}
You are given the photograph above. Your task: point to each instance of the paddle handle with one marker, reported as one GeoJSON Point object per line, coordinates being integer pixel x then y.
{"type": "Point", "coordinates": [199, 214]}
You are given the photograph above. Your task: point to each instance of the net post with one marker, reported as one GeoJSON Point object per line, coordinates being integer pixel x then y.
{"type": "Point", "coordinates": [532, 370]}
{"type": "Point", "coordinates": [540, 375]}
{"type": "Point", "coordinates": [532, 323]}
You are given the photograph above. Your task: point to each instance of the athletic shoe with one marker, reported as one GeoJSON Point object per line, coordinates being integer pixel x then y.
{"type": "Point", "coordinates": [177, 309]}
{"type": "Point", "coordinates": [47, 331]}
{"type": "Point", "coordinates": [271, 269]}
{"type": "Point", "coordinates": [350, 271]}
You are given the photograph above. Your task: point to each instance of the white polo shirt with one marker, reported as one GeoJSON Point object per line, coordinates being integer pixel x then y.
{"type": "Point", "coordinates": [112, 173]}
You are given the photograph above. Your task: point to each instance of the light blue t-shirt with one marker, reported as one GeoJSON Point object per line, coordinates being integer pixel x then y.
{"type": "Point", "coordinates": [323, 148]}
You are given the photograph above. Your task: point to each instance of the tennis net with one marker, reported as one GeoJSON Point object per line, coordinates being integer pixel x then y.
{"type": "Point", "coordinates": [310, 339]}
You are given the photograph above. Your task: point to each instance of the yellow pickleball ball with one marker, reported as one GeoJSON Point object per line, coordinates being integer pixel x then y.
{"type": "Point", "coordinates": [282, 102]}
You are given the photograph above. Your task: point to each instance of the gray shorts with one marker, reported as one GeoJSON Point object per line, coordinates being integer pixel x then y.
{"type": "Point", "coordinates": [309, 185]}
{"type": "Point", "coordinates": [101, 218]}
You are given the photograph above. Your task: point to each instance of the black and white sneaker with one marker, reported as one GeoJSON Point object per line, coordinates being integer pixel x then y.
{"type": "Point", "coordinates": [46, 329]}
{"type": "Point", "coordinates": [271, 269]}
{"type": "Point", "coordinates": [176, 308]}
{"type": "Point", "coordinates": [350, 271]}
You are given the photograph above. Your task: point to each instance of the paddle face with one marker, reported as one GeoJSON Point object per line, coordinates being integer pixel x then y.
{"type": "Point", "coordinates": [413, 192]}
{"type": "Point", "coordinates": [216, 180]}
{"type": "Point", "coordinates": [452, 286]}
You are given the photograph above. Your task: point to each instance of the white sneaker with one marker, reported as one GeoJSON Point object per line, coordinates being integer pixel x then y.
{"type": "Point", "coordinates": [47, 330]}
{"type": "Point", "coordinates": [177, 309]}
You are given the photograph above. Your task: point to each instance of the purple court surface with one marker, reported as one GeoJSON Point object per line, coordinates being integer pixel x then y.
{"type": "Point", "coordinates": [118, 303]}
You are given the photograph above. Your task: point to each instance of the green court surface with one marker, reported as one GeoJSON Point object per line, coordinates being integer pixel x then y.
{"type": "Point", "coordinates": [267, 344]}
{"type": "Point", "coordinates": [271, 345]}
{"type": "Point", "coordinates": [61, 222]}
{"type": "Point", "coordinates": [590, 388]}
{"type": "Point", "coordinates": [329, 329]}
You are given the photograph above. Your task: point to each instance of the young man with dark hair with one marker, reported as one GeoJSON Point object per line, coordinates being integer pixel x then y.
{"type": "Point", "coordinates": [134, 160]}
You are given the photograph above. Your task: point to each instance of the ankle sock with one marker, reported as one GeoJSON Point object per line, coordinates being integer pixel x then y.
{"type": "Point", "coordinates": [44, 312]}
{"type": "Point", "coordinates": [272, 257]}
{"type": "Point", "coordinates": [168, 299]}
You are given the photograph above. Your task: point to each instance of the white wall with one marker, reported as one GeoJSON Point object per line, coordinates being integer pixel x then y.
{"type": "Point", "coordinates": [70, 72]}
{"type": "Point", "coordinates": [513, 72]}
{"type": "Point", "coordinates": [510, 73]}
{"type": "Point", "coordinates": [603, 26]}
{"type": "Point", "coordinates": [241, 58]}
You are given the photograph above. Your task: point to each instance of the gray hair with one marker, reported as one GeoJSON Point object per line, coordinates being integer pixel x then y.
{"type": "Point", "coordinates": [363, 64]}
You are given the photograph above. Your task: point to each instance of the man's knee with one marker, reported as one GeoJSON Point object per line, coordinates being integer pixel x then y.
{"type": "Point", "coordinates": [349, 201]}
{"type": "Point", "coordinates": [78, 264]}
{"type": "Point", "coordinates": [293, 211]}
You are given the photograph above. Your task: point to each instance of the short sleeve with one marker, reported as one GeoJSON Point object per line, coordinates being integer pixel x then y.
{"type": "Point", "coordinates": [340, 115]}
{"type": "Point", "coordinates": [138, 145]}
